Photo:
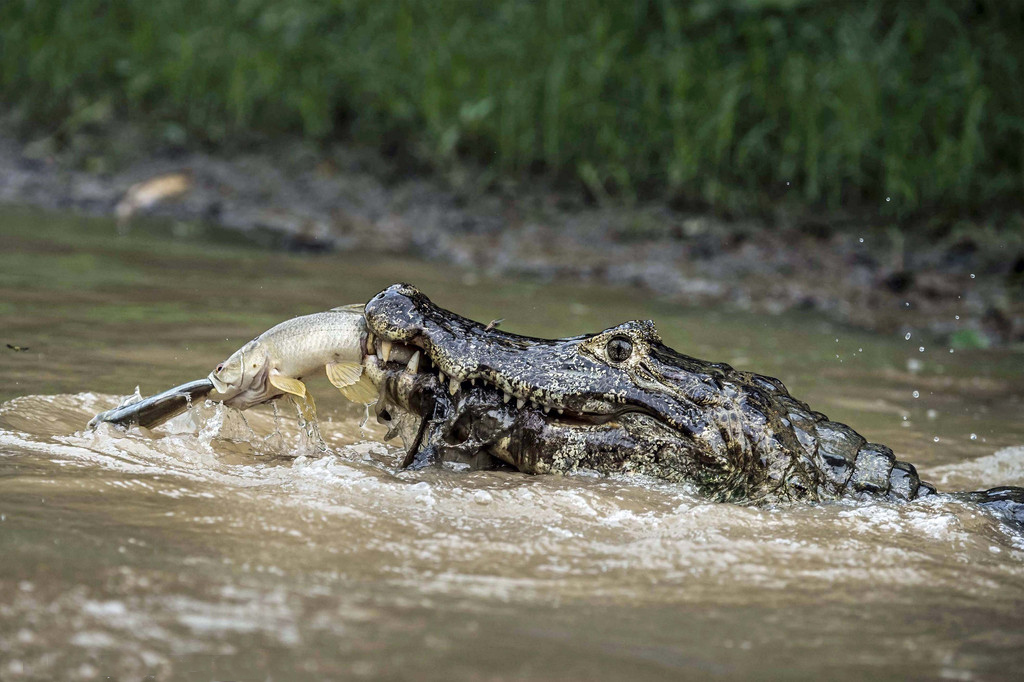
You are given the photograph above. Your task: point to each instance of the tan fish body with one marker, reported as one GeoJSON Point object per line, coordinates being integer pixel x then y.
{"type": "Point", "coordinates": [274, 363]}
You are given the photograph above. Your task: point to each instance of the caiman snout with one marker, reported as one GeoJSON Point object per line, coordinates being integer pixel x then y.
{"type": "Point", "coordinates": [394, 313]}
{"type": "Point", "coordinates": [588, 379]}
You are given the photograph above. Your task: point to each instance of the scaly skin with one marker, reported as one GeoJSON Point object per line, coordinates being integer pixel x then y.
{"type": "Point", "coordinates": [583, 403]}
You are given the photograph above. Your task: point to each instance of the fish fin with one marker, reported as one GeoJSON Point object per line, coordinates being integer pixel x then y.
{"type": "Point", "coordinates": [350, 308]}
{"type": "Point", "coordinates": [348, 377]}
{"type": "Point", "coordinates": [288, 385]}
{"type": "Point", "coordinates": [343, 374]}
{"type": "Point", "coordinates": [363, 391]}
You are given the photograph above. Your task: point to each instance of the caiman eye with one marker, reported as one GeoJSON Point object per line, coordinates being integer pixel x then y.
{"type": "Point", "coordinates": [619, 348]}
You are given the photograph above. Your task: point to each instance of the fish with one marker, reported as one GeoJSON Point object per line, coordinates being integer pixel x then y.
{"type": "Point", "coordinates": [156, 409]}
{"type": "Point", "coordinates": [275, 362]}
{"type": "Point", "coordinates": [148, 193]}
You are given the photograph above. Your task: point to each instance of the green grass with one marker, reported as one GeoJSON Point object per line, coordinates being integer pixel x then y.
{"type": "Point", "coordinates": [899, 107]}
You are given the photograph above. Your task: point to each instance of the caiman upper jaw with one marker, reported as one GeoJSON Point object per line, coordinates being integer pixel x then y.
{"type": "Point", "coordinates": [464, 354]}
{"type": "Point", "coordinates": [394, 318]}
{"type": "Point", "coordinates": [393, 355]}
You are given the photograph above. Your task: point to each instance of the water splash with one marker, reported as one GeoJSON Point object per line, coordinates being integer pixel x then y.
{"type": "Point", "coordinates": [304, 540]}
{"type": "Point", "coordinates": [305, 409]}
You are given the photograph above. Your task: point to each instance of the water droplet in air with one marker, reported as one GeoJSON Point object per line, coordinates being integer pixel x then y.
{"type": "Point", "coordinates": [907, 337]}
{"type": "Point", "coordinates": [861, 240]}
{"type": "Point", "coordinates": [974, 436]}
{"type": "Point", "coordinates": [888, 198]}
{"type": "Point", "coordinates": [916, 394]}
{"type": "Point", "coordinates": [956, 317]}
{"type": "Point", "coordinates": [951, 350]}
{"type": "Point", "coordinates": [920, 349]}
{"type": "Point", "coordinates": [860, 350]}
{"type": "Point", "coordinates": [936, 439]}
{"type": "Point", "coordinates": [972, 275]}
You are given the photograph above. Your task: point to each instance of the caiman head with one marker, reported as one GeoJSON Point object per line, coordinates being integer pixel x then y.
{"type": "Point", "coordinates": [617, 400]}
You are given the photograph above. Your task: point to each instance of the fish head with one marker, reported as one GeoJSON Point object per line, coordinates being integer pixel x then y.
{"type": "Point", "coordinates": [242, 378]}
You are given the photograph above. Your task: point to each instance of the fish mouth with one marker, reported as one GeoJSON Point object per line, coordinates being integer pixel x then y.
{"type": "Point", "coordinates": [257, 391]}
{"type": "Point", "coordinates": [219, 385]}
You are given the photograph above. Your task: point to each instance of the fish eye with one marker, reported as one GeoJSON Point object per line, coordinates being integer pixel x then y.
{"type": "Point", "coordinates": [219, 368]}
{"type": "Point", "coordinates": [619, 348]}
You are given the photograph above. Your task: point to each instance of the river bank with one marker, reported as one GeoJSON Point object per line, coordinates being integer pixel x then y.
{"type": "Point", "coordinates": [962, 286]}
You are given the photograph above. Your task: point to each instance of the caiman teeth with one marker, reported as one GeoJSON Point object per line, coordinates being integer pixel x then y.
{"type": "Point", "coordinates": [520, 403]}
{"type": "Point", "coordinates": [453, 388]}
{"type": "Point", "coordinates": [385, 350]}
{"type": "Point", "coordinates": [507, 397]}
{"type": "Point", "coordinates": [440, 376]}
{"type": "Point", "coordinates": [369, 344]}
{"type": "Point", "coordinates": [472, 382]}
{"type": "Point", "coordinates": [414, 363]}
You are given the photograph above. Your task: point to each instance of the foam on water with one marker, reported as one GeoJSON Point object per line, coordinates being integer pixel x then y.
{"type": "Point", "coordinates": [1003, 467]}
{"type": "Point", "coordinates": [288, 528]}
{"type": "Point", "coordinates": [578, 534]}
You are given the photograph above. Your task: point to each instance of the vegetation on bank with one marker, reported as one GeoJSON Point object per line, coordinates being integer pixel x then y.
{"type": "Point", "coordinates": [907, 107]}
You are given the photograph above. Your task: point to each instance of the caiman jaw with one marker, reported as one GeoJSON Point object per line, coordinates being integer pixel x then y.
{"type": "Point", "coordinates": [407, 331]}
{"type": "Point", "coordinates": [395, 356]}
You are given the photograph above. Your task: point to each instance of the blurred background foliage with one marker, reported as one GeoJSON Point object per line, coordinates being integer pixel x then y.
{"type": "Point", "coordinates": [721, 104]}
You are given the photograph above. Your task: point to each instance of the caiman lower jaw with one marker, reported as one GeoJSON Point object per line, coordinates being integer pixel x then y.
{"type": "Point", "coordinates": [395, 356]}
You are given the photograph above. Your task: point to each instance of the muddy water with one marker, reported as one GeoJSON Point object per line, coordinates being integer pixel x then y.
{"type": "Point", "coordinates": [223, 547]}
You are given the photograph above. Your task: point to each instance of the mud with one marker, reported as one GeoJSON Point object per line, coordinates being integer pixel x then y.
{"type": "Point", "coordinates": [965, 285]}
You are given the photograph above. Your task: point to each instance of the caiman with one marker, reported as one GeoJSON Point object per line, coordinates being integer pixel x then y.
{"type": "Point", "coordinates": [617, 401]}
